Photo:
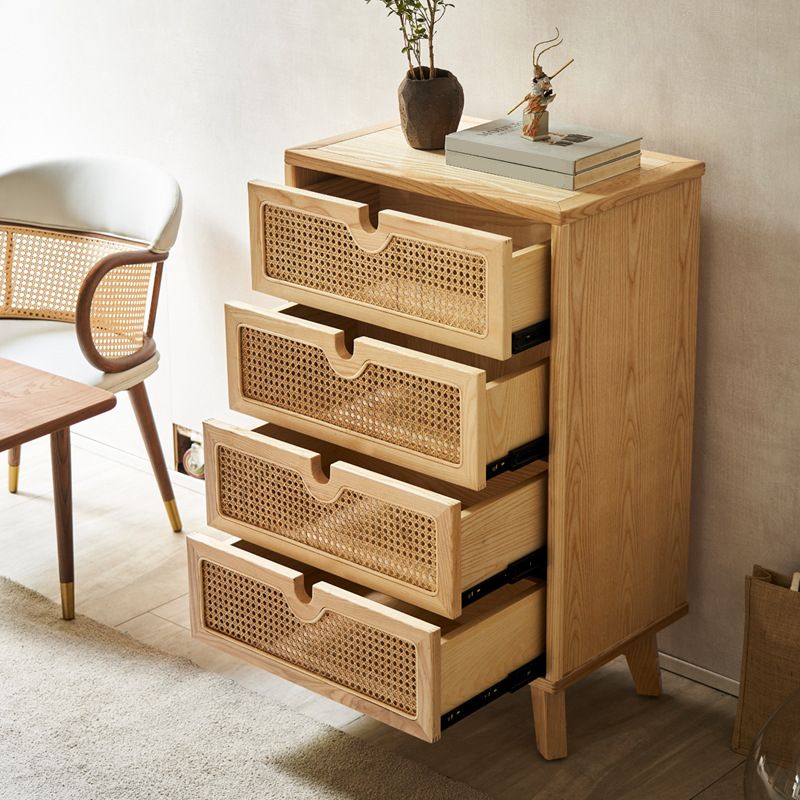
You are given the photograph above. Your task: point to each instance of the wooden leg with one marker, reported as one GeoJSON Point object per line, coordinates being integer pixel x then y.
{"type": "Point", "coordinates": [13, 468]}
{"type": "Point", "coordinates": [642, 657]}
{"type": "Point", "coordinates": [62, 500]}
{"type": "Point", "coordinates": [549, 721]}
{"type": "Point", "coordinates": [147, 425]}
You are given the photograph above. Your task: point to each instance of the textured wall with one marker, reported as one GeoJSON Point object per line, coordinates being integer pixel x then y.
{"type": "Point", "coordinates": [215, 90]}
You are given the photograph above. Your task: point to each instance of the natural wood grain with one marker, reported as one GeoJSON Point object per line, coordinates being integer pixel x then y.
{"type": "Point", "coordinates": [522, 232]}
{"type": "Point", "coordinates": [469, 498]}
{"type": "Point", "coordinates": [503, 528]}
{"type": "Point", "coordinates": [549, 721]}
{"type": "Point", "coordinates": [472, 542]}
{"type": "Point", "coordinates": [62, 504]}
{"type": "Point", "coordinates": [481, 652]}
{"type": "Point", "coordinates": [530, 286]}
{"type": "Point", "coordinates": [125, 563]}
{"type": "Point", "coordinates": [492, 418]}
{"type": "Point", "coordinates": [515, 283]}
{"type": "Point", "coordinates": [642, 658]}
{"type": "Point", "coordinates": [147, 427]}
{"type": "Point", "coordinates": [309, 608]}
{"type": "Point", "coordinates": [729, 787]}
{"type": "Point", "coordinates": [453, 660]}
{"type": "Point", "coordinates": [34, 403]}
{"type": "Point", "coordinates": [444, 512]}
{"type": "Point", "coordinates": [516, 408]}
{"type": "Point", "coordinates": [617, 649]}
{"type": "Point", "coordinates": [623, 345]}
{"type": "Point", "coordinates": [382, 156]}
{"type": "Point", "coordinates": [623, 283]}
{"type": "Point", "coordinates": [621, 746]}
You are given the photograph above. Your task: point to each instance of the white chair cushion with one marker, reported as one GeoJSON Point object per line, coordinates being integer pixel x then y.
{"type": "Point", "coordinates": [123, 197]}
{"type": "Point", "coordinates": [53, 347]}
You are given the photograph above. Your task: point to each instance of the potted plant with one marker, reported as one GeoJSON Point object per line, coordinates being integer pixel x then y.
{"type": "Point", "coordinates": [431, 99]}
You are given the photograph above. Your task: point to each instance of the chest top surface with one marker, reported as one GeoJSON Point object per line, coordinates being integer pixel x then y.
{"type": "Point", "coordinates": [380, 155]}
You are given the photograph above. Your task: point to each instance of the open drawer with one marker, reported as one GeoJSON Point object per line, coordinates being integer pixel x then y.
{"type": "Point", "coordinates": [405, 667]}
{"type": "Point", "coordinates": [436, 546]}
{"type": "Point", "coordinates": [462, 286]}
{"type": "Point", "coordinates": [333, 378]}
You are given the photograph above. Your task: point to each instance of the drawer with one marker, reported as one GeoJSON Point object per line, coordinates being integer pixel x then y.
{"type": "Point", "coordinates": [367, 522]}
{"type": "Point", "coordinates": [339, 382]}
{"type": "Point", "coordinates": [366, 650]}
{"type": "Point", "coordinates": [461, 286]}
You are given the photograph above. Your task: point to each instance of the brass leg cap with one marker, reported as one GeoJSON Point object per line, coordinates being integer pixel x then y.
{"type": "Point", "coordinates": [174, 516]}
{"type": "Point", "coordinates": [13, 478]}
{"type": "Point", "coordinates": [68, 600]}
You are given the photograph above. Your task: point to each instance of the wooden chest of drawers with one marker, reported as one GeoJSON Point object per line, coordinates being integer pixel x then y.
{"type": "Point", "coordinates": [477, 466]}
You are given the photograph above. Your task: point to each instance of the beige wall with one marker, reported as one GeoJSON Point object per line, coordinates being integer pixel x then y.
{"type": "Point", "coordinates": [215, 90]}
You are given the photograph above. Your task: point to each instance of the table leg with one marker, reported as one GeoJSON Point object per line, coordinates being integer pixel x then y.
{"type": "Point", "coordinates": [13, 468]}
{"type": "Point", "coordinates": [62, 499]}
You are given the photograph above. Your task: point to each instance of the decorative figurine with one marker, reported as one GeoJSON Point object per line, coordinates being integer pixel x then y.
{"type": "Point", "coordinates": [535, 116]}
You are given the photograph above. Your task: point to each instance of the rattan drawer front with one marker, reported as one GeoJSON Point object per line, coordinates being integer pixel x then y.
{"type": "Point", "coordinates": [444, 282]}
{"type": "Point", "coordinates": [421, 546]}
{"type": "Point", "coordinates": [362, 649]}
{"type": "Point", "coordinates": [414, 409]}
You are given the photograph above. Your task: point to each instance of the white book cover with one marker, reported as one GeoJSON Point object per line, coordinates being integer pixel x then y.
{"type": "Point", "coordinates": [570, 149]}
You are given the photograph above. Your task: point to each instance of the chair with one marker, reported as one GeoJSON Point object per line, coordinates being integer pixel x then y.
{"type": "Point", "coordinates": [82, 247]}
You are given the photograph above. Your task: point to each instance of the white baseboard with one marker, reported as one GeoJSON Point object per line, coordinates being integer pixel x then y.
{"type": "Point", "coordinates": [137, 462]}
{"type": "Point", "coordinates": [699, 674]}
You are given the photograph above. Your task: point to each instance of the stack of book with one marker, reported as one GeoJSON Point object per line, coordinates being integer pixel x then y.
{"type": "Point", "coordinates": [572, 157]}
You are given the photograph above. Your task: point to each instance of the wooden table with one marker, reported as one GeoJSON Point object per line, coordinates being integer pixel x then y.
{"type": "Point", "coordinates": [34, 403]}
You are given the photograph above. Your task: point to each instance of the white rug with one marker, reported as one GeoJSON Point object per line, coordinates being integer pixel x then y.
{"type": "Point", "coordinates": [87, 712]}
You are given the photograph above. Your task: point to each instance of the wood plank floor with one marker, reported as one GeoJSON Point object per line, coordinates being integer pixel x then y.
{"type": "Point", "coordinates": [131, 574]}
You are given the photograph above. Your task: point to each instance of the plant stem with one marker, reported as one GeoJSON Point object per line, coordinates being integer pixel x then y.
{"type": "Point", "coordinates": [407, 48]}
{"type": "Point", "coordinates": [431, 24]}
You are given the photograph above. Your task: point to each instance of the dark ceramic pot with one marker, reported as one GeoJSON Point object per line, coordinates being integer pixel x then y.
{"type": "Point", "coordinates": [430, 109]}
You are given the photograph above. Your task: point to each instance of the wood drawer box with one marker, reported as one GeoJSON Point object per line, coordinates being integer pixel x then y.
{"type": "Point", "coordinates": [457, 285]}
{"type": "Point", "coordinates": [377, 655]}
{"type": "Point", "coordinates": [416, 409]}
{"type": "Point", "coordinates": [454, 326]}
{"type": "Point", "coordinates": [373, 527]}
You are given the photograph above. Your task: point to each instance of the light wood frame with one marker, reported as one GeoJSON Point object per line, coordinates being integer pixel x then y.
{"type": "Point", "coordinates": [473, 541]}
{"type": "Point", "coordinates": [495, 417]}
{"type": "Point", "coordinates": [455, 661]}
{"type": "Point", "coordinates": [625, 257]}
{"type": "Point", "coordinates": [517, 280]}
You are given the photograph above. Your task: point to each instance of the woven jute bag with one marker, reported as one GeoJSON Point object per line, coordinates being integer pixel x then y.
{"type": "Point", "coordinates": [771, 656]}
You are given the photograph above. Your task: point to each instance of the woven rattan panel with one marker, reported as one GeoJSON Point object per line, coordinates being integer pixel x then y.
{"type": "Point", "coordinates": [119, 307]}
{"type": "Point", "coordinates": [363, 659]}
{"type": "Point", "coordinates": [361, 529]}
{"type": "Point", "coordinates": [441, 284]}
{"type": "Point", "coordinates": [42, 275]}
{"type": "Point", "coordinates": [398, 407]}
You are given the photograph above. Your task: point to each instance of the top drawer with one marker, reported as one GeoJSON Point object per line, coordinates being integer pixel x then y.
{"type": "Point", "coordinates": [472, 289]}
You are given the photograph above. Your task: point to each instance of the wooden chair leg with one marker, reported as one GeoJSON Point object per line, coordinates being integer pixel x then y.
{"type": "Point", "coordinates": [62, 501]}
{"type": "Point", "coordinates": [642, 657]}
{"type": "Point", "coordinates": [13, 468]}
{"type": "Point", "coordinates": [147, 426]}
{"type": "Point", "coordinates": [549, 721]}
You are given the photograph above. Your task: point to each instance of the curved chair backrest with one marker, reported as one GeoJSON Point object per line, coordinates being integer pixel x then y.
{"type": "Point", "coordinates": [122, 197]}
